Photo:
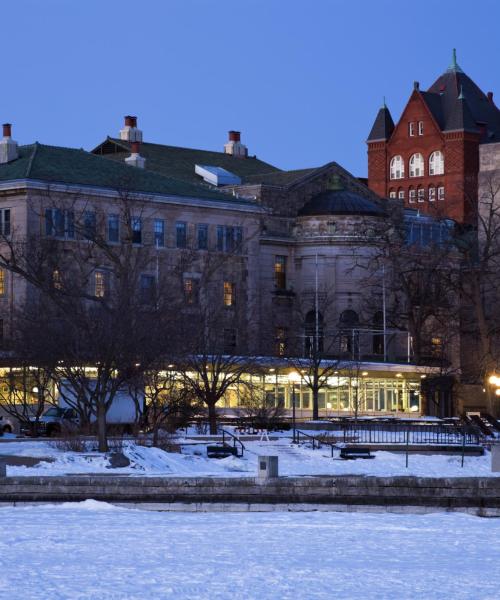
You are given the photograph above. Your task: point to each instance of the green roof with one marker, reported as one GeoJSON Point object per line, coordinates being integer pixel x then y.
{"type": "Point", "coordinates": [280, 178]}
{"type": "Point", "coordinates": [55, 164]}
{"type": "Point", "coordinates": [179, 163]}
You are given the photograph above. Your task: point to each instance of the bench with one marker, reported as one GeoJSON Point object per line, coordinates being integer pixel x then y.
{"type": "Point", "coordinates": [221, 451]}
{"type": "Point", "coordinates": [352, 453]}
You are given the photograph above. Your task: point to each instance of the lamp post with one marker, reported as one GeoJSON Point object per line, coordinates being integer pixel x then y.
{"type": "Point", "coordinates": [293, 378]}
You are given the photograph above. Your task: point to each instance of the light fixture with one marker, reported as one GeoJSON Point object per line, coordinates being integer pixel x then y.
{"type": "Point", "coordinates": [272, 370]}
{"type": "Point", "coordinates": [423, 376]}
{"type": "Point", "coordinates": [399, 374]}
{"type": "Point", "coordinates": [170, 366]}
{"type": "Point", "coordinates": [494, 380]}
{"type": "Point", "coordinates": [497, 392]}
{"type": "Point", "coordinates": [294, 377]}
{"type": "Point", "coordinates": [35, 390]}
{"type": "Point", "coordinates": [364, 373]}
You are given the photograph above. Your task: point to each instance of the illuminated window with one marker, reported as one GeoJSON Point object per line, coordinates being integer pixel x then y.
{"type": "Point", "coordinates": [228, 293]}
{"type": "Point", "coordinates": [57, 279]}
{"type": "Point", "coordinates": [397, 167]}
{"type": "Point", "coordinates": [99, 284]}
{"type": "Point", "coordinates": [190, 291]}
{"type": "Point", "coordinates": [436, 346]}
{"type": "Point", "coordinates": [436, 163]}
{"type": "Point", "coordinates": [2, 283]}
{"type": "Point", "coordinates": [417, 165]}
{"type": "Point", "coordinates": [280, 336]}
{"type": "Point", "coordinates": [280, 272]}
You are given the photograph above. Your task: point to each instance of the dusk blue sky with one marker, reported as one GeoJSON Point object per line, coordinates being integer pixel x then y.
{"type": "Point", "coordinates": [301, 79]}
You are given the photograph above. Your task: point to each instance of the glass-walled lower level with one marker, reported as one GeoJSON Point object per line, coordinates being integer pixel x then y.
{"type": "Point", "coordinates": [340, 396]}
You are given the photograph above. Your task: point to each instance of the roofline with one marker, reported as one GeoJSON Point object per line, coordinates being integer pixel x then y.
{"type": "Point", "coordinates": [36, 184]}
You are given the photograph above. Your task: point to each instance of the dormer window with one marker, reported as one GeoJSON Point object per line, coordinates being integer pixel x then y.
{"type": "Point", "coordinates": [420, 128]}
{"type": "Point", "coordinates": [397, 167]}
{"type": "Point", "coordinates": [411, 129]}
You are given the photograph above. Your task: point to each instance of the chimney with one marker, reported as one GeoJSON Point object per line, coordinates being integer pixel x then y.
{"type": "Point", "coordinates": [8, 147]}
{"type": "Point", "coordinates": [234, 146]}
{"type": "Point", "coordinates": [135, 159]}
{"type": "Point", "coordinates": [130, 133]}
{"type": "Point", "coordinates": [489, 95]}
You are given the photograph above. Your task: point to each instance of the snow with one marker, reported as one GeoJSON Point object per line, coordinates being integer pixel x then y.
{"type": "Point", "coordinates": [92, 550]}
{"type": "Point", "coordinates": [293, 461]}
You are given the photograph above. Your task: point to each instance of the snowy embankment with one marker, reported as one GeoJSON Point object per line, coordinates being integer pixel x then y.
{"type": "Point", "coordinates": [51, 552]}
{"type": "Point", "coordinates": [193, 462]}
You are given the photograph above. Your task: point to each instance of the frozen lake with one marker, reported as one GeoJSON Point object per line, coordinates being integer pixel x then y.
{"type": "Point", "coordinates": [95, 551]}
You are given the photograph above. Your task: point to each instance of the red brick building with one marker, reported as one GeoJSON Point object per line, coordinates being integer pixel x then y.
{"type": "Point", "coordinates": [430, 158]}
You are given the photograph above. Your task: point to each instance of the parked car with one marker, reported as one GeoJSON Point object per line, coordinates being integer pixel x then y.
{"type": "Point", "coordinates": [6, 425]}
{"type": "Point", "coordinates": [53, 422]}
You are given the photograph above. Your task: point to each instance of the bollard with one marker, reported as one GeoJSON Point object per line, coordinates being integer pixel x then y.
{"type": "Point", "coordinates": [267, 467]}
{"type": "Point", "coordinates": [495, 458]}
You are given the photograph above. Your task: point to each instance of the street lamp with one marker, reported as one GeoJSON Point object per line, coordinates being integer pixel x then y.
{"type": "Point", "coordinates": [293, 378]}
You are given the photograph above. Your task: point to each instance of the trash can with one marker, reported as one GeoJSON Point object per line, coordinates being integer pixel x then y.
{"type": "Point", "coordinates": [495, 458]}
{"type": "Point", "coordinates": [267, 467]}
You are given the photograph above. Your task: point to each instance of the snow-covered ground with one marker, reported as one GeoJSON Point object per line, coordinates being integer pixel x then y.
{"type": "Point", "coordinates": [95, 551]}
{"type": "Point", "coordinates": [193, 462]}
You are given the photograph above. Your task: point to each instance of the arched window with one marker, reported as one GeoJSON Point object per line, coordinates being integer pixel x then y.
{"type": "Point", "coordinates": [416, 165]}
{"type": "Point", "coordinates": [436, 163]}
{"type": "Point", "coordinates": [392, 193]}
{"type": "Point", "coordinates": [397, 168]}
{"type": "Point", "coordinates": [349, 333]}
{"type": "Point", "coordinates": [401, 194]}
{"type": "Point", "coordinates": [313, 333]}
{"type": "Point", "coordinates": [432, 193]}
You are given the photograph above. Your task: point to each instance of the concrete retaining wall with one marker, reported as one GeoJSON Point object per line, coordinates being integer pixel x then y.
{"type": "Point", "coordinates": [479, 495]}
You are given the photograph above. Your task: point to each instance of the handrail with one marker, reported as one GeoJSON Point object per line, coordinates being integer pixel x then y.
{"type": "Point", "coordinates": [236, 440]}
{"type": "Point", "coordinates": [315, 439]}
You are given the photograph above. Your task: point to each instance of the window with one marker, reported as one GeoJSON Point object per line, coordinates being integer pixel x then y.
{"type": "Point", "coordinates": [440, 192]}
{"type": "Point", "coordinates": [181, 234]}
{"type": "Point", "coordinates": [432, 193]}
{"type": "Point", "coordinates": [229, 340]}
{"type": "Point", "coordinates": [280, 336]}
{"type": "Point", "coordinates": [89, 225]}
{"type": "Point", "coordinates": [436, 163]}
{"type": "Point", "coordinates": [420, 128]}
{"type": "Point", "coordinates": [136, 230]}
{"type": "Point", "coordinates": [159, 233]}
{"type": "Point", "coordinates": [411, 129]}
{"type": "Point", "coordinates": [113, 229]}
{"type": "Point", "coordinates": [280, 272]}
{"type": "Point", "coordinates": [421, 194]}
{"type": "Point", "coordinates": [436, 346]}
{"type": "Point", "coordinates": [202, 236]}
{"type": "Point", "coordinates": [412, 195]}
{"type": "Point", "coordinates": [229, 239]}
{"type": "Point", "coordinates": [392, 194]}
{"type": "Point", "coordinates": [148, 289]}
{"type": "Point", "coordinates": [190, 291]}
{"type": "Point", "coordinates": [228, 293]}
{"type": "Point", "coordinates": [417, 165]}
{"type": "Point", "coordinates": [401, 194]}
{"type": "Point", "coordinates": [313, 330]}
{"type": "Point", "coordinates": [59, 223]}
{"type": "Point", "coordinates": [5, 221]}
{"type": "Point", "coordinates": [397, 168]}
{"type": "Point", "coordinates": [3, 288]}
{"type": "Point", "coordinates": [57, 279]}
{"type": "Point", "coordinates": [99, 284]}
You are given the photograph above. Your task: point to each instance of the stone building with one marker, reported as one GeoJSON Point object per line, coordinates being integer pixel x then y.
{"type": "Point", "coordinates": [296, 249]}
{"type": "Point", "coordinates": [430, 157]}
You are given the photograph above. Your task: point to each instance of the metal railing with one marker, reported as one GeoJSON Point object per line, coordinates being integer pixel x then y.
{"type": "Point", "coordinates": [237, 443]}
{"type": "Point", "coordinates": [409, 433]}
{"type": "Point", "coordinates": [316, 440]}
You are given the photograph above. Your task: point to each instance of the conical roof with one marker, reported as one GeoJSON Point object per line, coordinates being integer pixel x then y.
{"type": "Point", "coordinates": [383, 125]}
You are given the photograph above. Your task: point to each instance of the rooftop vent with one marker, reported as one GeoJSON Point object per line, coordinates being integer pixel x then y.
{"type": "Point", "coordinates": [8, 147]}
{"type": "Point", "coordinates": [130, 133]}
{"type": "Point", "coordinates": [234, 145]}
{"type": "Point", "coordinates": [216, 175]}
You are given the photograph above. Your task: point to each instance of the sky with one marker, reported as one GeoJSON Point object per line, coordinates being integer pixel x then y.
{"type": "Point", "coordinates": [301, 79]}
